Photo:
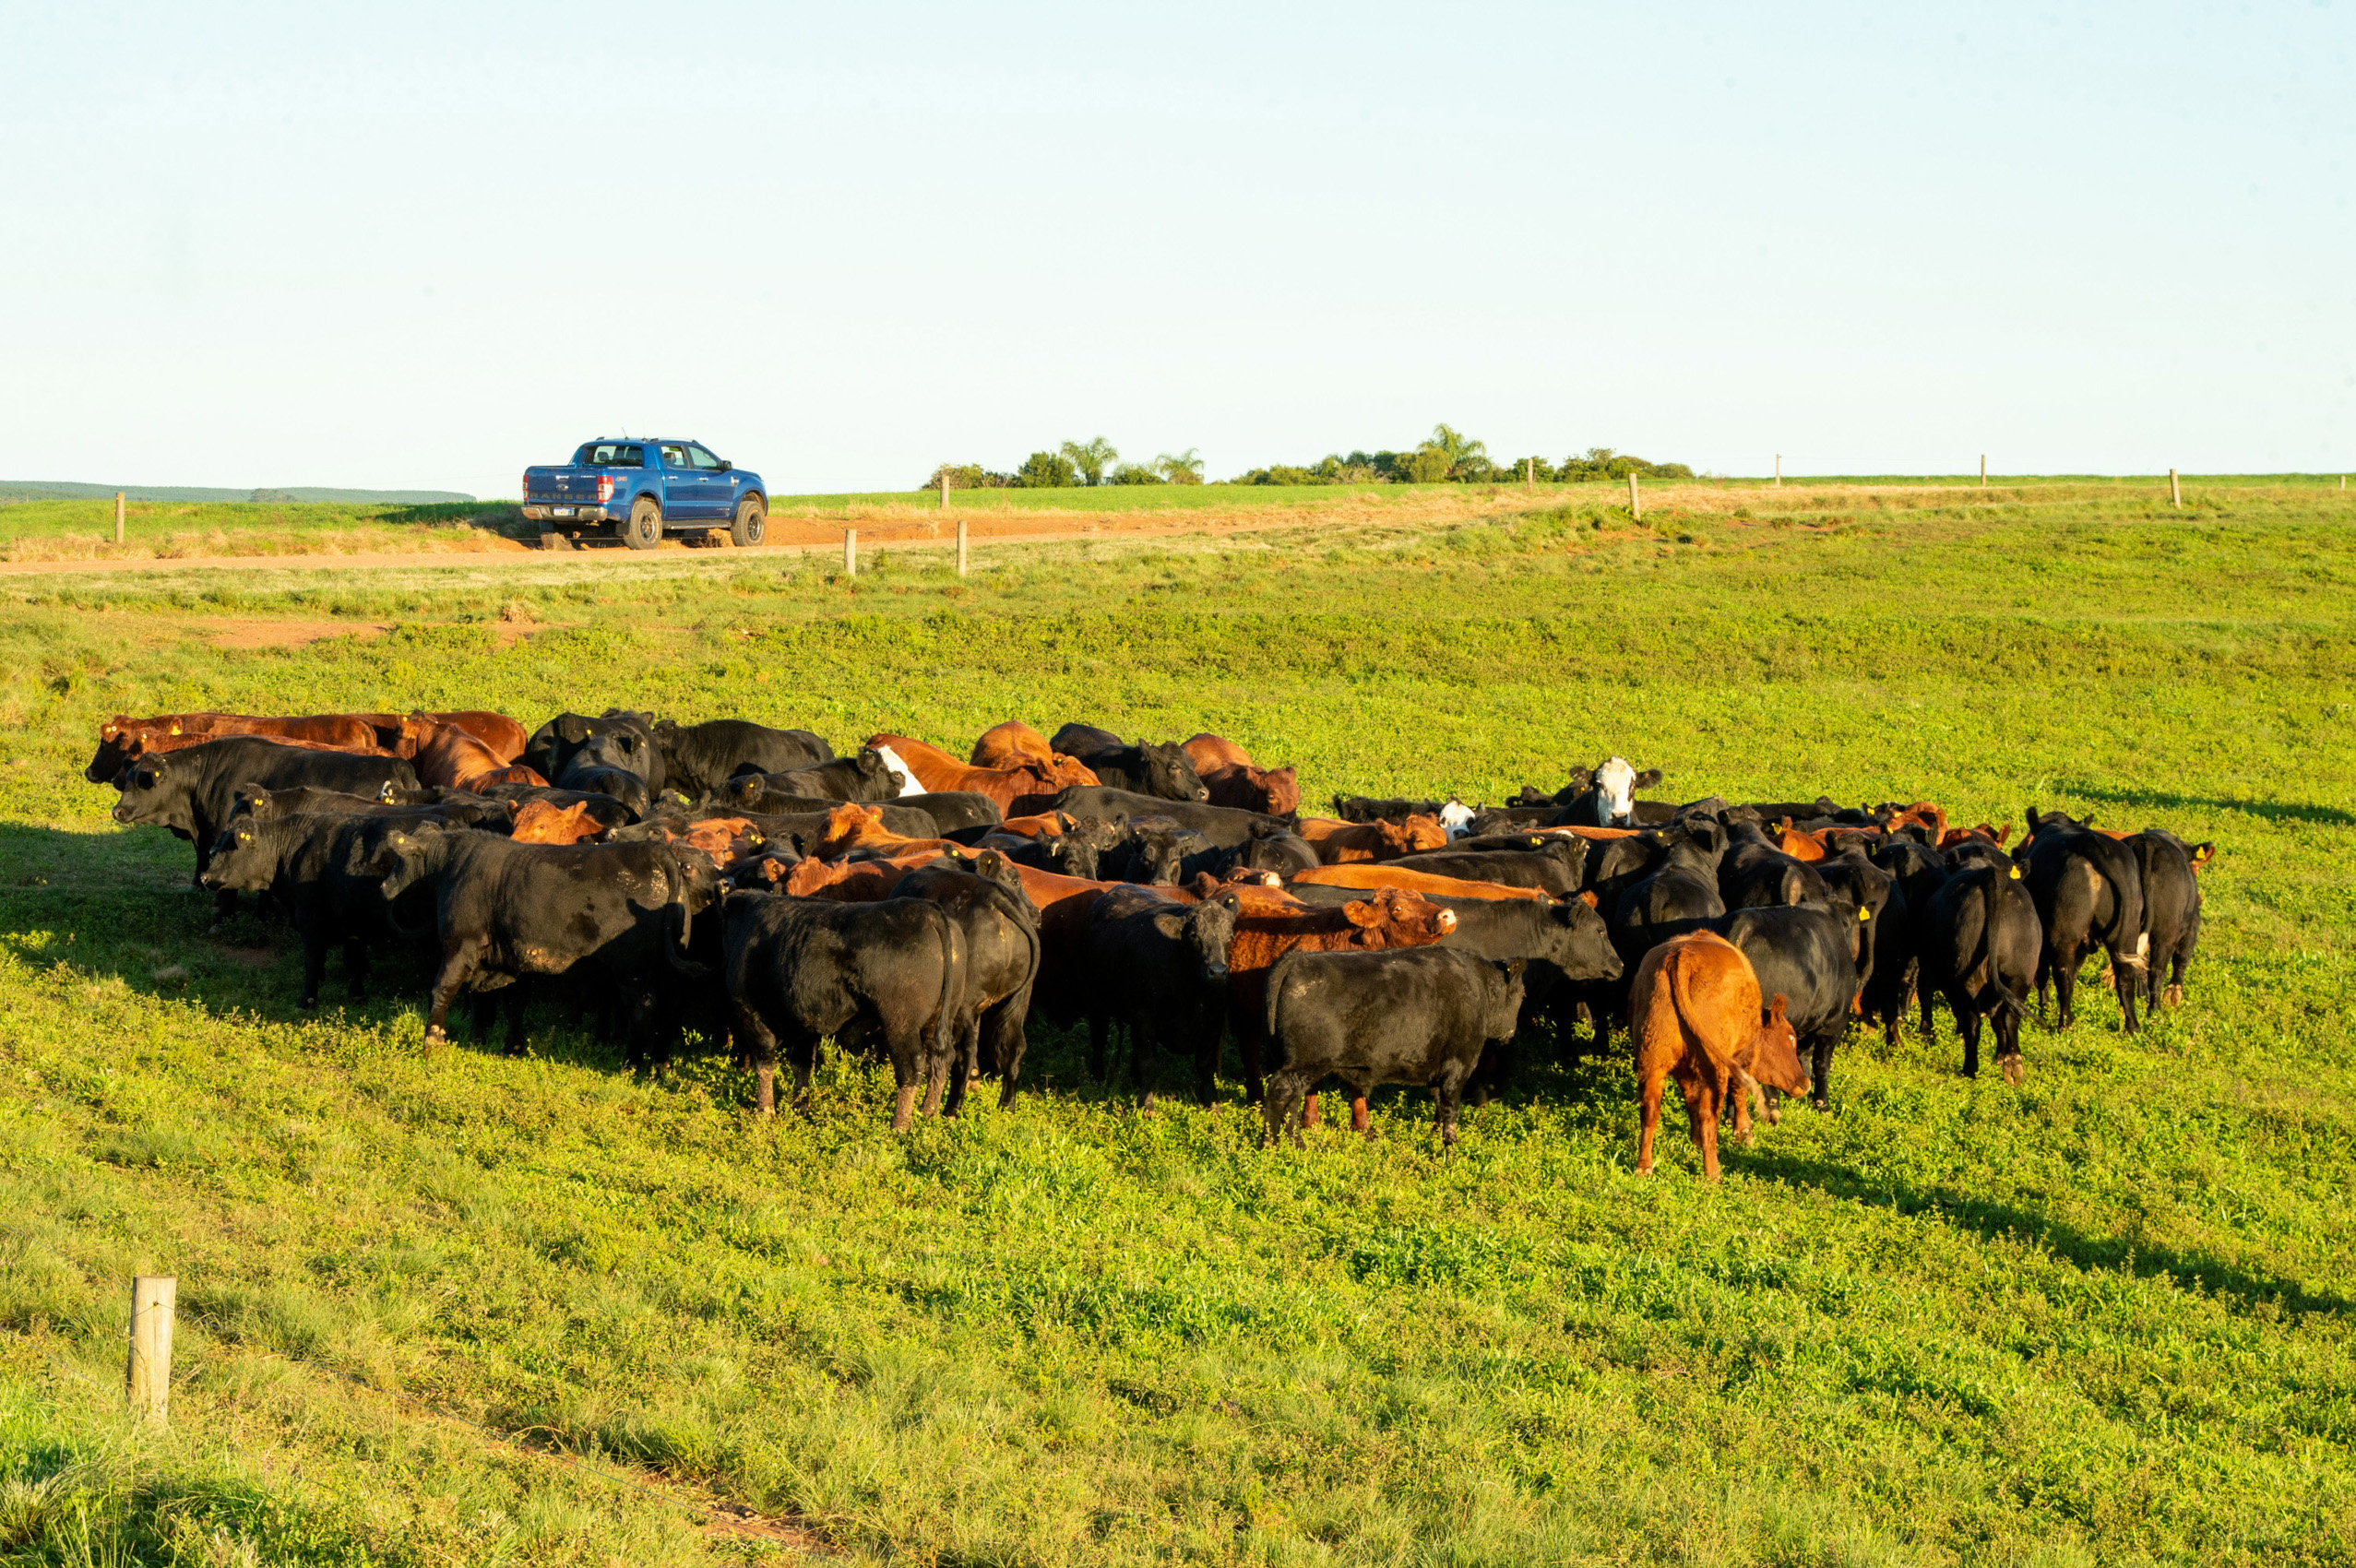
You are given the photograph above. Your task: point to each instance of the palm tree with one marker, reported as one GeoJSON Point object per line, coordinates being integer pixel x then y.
{"type": "Point", "coordinates": [1457, 447]}
{"type": "Point", "coordinates": [1186, 468]}
{"type": "Point", "coordinates": [1091, 458]}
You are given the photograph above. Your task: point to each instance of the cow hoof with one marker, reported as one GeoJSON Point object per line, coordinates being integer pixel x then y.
{"type": "Point", "coordinates": [2014, 1071]}
{"type": "Point", "coordinates": [1820, 1103]}
{"type": "Point", "coordinates": [1644, 1170]}
{"type": "Point", "coordinates": [1744, 1137]}
{"type": "Point", "coordinates": [2172, 997]}
{"type": "Point", "coordinates": [435, 1036]}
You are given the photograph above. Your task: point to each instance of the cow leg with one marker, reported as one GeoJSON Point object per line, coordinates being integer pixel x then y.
{"type": "Point", "coordinates": [2065, 986]}
{"type": "Point", "coordinates": [458, 964]}
{"type": "Point", "coordinates": [1098, 1025]}
{"type": "Point", "coordinates": [1285, 1089]}
{"type": "Point", "coordinates": [1820, 1096]}
{"type": "Point", "coordinates": [758, 1046]}
{"type": "Point", "coordinates": [1145, 1060]}
{"type": "Point", "coordinates": [1649, 1120]}
{"type": "Point", "coordinates": [1449, 1092]}
{"type": "Point", "coordinates": [1247, 1042]}
{"type": "Point", "coordinates": [936, 1086]}
{"type": "Point", "coordinates": [2128, 973]}
{"type": "Point", "coordinates": [355, 968]}
{"type": "Point", "coordinates": [1930, 1034]}
{"type": "Point", "coordinates": [2006, 1023]}
{"type": "Point", "coordinates": [1309, 1110]}
{"type": "Point", "coordinates": [1359, 1121]}
{"type": "Point", "coordinates": [1701, 1112]}
{"type": "Point", "coordinates": [513, 1000]}
{"type": "Point", "coordinates": [1966, 1023]}
{"type": "Point", "coordinates": [1013, 1043]}
{"type": "Point", "coordinates": [315, 963]}
{"type": "Point", "coordinates": [1738, 1101]}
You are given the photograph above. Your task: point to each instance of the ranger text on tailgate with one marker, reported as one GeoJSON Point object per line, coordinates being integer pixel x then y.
{"type": "Point", "coordinates": [643, 487]}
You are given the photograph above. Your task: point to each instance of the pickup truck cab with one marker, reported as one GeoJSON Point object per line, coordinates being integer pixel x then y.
{"type": "Point", "coordinates": [643, 487]}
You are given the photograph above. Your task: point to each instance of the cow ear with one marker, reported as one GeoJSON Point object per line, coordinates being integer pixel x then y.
{"type": "Point", "coordinates": [1361, 913]}
{"type": "Point", "coordinates": [1775, 1008]}
{"type": "Point", "coordinates": [2203, 853]}
{"type": "Point", "coordinates": [1590, 899]}
{"type": "Point", "coordinates": [1649, 780]}
{"type": "Point", "coordinates": [990, 862]}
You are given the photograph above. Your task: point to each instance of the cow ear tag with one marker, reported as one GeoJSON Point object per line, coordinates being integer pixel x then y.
{"type": "Point", "coordinates": [1864, 915]}
{"type": "Point", "coordinates": [2015, 873]}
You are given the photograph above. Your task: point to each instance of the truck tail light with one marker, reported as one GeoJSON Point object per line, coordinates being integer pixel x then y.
{"type": "Point", "coordinates": [527, 487]}
{"type": "Point", "coordinates": [606, 487]}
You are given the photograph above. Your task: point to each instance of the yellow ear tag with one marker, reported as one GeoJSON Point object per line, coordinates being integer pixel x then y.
{"type": "Point", "coordinates": [2014, 874]}
{"type": "Point", "coordinates": [1864, 914]}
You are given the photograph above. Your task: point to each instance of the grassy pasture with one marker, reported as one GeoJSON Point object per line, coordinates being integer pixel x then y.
{"type": "Point", "coordinates": [2105, 1317]}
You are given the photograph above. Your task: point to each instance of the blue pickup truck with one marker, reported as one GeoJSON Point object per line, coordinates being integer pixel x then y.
{"type": "Point", "coordinates": [643, 487]}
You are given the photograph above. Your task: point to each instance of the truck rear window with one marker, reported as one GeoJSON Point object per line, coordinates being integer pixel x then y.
{"type": "Point", "coordinates": [610, 455]}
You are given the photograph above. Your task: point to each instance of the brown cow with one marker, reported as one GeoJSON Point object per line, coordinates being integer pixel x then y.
{"type": "Point", "coordinates": [1992, 836]}
{"type": "Point", "coordinates": [1269, 925]}
{"type": "Point", "coordinates": [1010, 745]}
{"type": "Point", "coordinates": [726, 839]}
{"type": "Point", "coordinates": [120, 738]}
{"type": "Point", "coordinates": [1694, 1014]}
{"type": "Point", "coordinates": [1339, 843]}
{"type": "Point", "coordinates": [1391, 874]}
{"type": "Point", "coordinates": [448, 757]}
{"type": "Point", "coordinates": [1233, 779]}
{"type": "Point", "coordinates": [503, 736]}
{"type": "Point", "coordinates": [853, 826]}
{"type": "Point", "coordinates": [855, 882]}
{"type": "Point", "coordinates": [536, 822]}
{"type": "Point", "coordinates": [1022, 790]}
{"type": "Point", "coordinates": [1046, 825]}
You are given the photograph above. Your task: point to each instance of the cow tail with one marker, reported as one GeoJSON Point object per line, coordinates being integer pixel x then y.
{"type": "Point", "coordinates": [2134, 916]}
{"type": "Point", "coordinates": [952, 965]}
{"type": "Point", "coordinates": [1268, 1006]}
{"type": "Point", "coordinates": [1983, 963]}
{"type": "Point", "coordinates": [1688, 1011]}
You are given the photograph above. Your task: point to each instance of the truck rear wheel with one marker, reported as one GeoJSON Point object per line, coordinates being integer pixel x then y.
{"type": "Point", "coordinates": [644, 530]}
{"type": "Point", "coordinates": [752, 523]}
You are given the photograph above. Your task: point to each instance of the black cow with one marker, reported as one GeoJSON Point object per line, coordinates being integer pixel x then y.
{"type": "Point", "coordinates": [2171, 908]}
{"type": "Point", "coordinates": [628, 740]}
{"type": "Point", "coordinates": [459, 807]}
{"type": "Point", "coordinates": [1366, 808]}
{"type": "Point", "coordinates": [1159, 968]}
{"type": "Point", "coordinates": [954, 811]}
{"type": "Point", "coordinates": [1065, 854]}
{"type": "Point", "coordinates": [2088, 890]}
{"type": "Point", "coordinates": [1419, 1016]}
{"type": "Point", "coordinates": [1981, 943]}
{"type": "Point", "coordinates": [1282, 853]}
{"type": "Point", "coordinates": [1152, 849]}
{"type": "Point", "coordinates": [1856, 882]}
{"type": "Point", "coordinates": [1222, 827]}
{"type": "Point", "coordinates": [1143, 768]}
{"type": "Point", "coordinates": [194, 790]}
{"type": "Point", "coordinates": [864, 780]}
{"type": "Point", "coordinates": [312, 864]}
{"type": "Point", "coordinates": [696, 757]}
{"type": "Point", "coordinates": [1809, 957]}
{"type": "Point", "coordinates": [1554, 866]}
{"type": "Point", "coordinates": [625, 787]}
{"type": "Point", "coordinates": [504, 910]}
{"type": "Point", "coordinates": [1677, 894]}
{"type": "Point", "coordinates": [1001, 932]}
{"type": "Point", "coordinates": [1756, 874]}
{"type": "Point", "coordinates": [604, 809]}
{"type": "Point", "coordinates": [799, 970]}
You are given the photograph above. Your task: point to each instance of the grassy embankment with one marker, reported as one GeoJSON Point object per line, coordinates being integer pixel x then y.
{"type": "Point", "coordinates": [2104, 1317]}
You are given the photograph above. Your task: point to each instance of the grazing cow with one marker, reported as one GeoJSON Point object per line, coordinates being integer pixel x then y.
{"type": "Point", "coordinates": [1366, 808]}
{"type": "Point", "coordinates": [1144, 768]}
{"type": "Point", "coordinates": [2171, 910]}
{"type": "Point", "coordinates": [1854, 881]}
{"type": "Point", "coordinates": [538, 822]}
{"type": "Point", "coordinates": [863, 778]}
{"type": "Point", "coordinates": [1158, 968]}
{"type": "Point", "coordinates": [1352, 843]}
{"type": "Point", "coordinates": [955, 811]}
{"type": "Point", "coordinates": [698, 756]}
{"type": "Point", "coordinates": [889, 973]}
{"type": "Point", "coordinates": [121, 737]}
{"type": "Point", "coordinates": [853, 826]}
{"type": "Point", "coordinates": [1011, 744]}
{"type": "Point", "coordinates": [623, 786]}
{"type": "Point", "coordinates": [1001, 932]}
{"type": "Point", "coordinates": [1755, 875]}
{"type": "Point", "coordinates": [1019, 789]}
{"type": "Point", "coordinates": [1222, 827]}
{"type": "Point", "coordinates": [1695, 1013]}
{"type": "Point", "coordinates": [312, 865]}
{"type": "Point", "coordinates": [192, 791]}
{"type": "Point", "coordinates": [459, 809]}
{"type": "Point", "coordinates": [2088, 890]}
{"type": "Point", "coordinates": [1807, 957]}
{"type": "Point", "coordinates": [1553, 867]}
{"type": "Point", "coordinates": [1677, 894]}
{"type": "Point", "coordinates": [1918, 871]}
{"type": "Point", "coordinates": [1270, 924]}
{"type": "Point", "coordinates": [1956, 838]}
{"type": "Point", "coordinates": [602, 809]}
{"type": "Point", "coordinates": [1395, 874]}
{"type": "Point", "coordinates": [1980, 939]}
{"type": "Point", "coordinates": [448, 757]}
{"type": "Point", "coordinates": [504, 910]}
{"type": "Point", "coordinates": [628, 745]}
{"type": "Point", "coordinates": [1419, 1016]}
{"type": "Point", "coordinates": [1233, 779]}
{"type": "Point", "coordinates": [1283, 853]}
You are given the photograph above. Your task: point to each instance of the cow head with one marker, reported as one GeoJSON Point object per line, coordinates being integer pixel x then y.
{"type": "Point", "coordinates": [898, 770]}
{"type": "Point", "coordinates": [1616, 782]}
{"type": "Point", "coordinates": [1210, 929]}
{"type": "Point", "coordinates": [403, 858]}
{"type": "Point", "coordinates": [1156, 849]}
{"type": "Point", "coordinates": [1397, 918]}
{"type": "Point", "coordinates": [1579, 942]}
{"type": "Point", "coordinates": [1169, 772]}
{"type": "Point", "coordinates": [1069, 854]}
{"type": "Point", "coordinates": [145, 783]}
{"type": "Point", "coordinates": [1775, 1051]}
{"type": "Point", "coordinates": [1455, 818]}
{"type": "Point", "coordinates": [244, 859]}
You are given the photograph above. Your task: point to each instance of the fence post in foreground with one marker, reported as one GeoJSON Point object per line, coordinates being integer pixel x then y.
{"type": "Point", "coordinates": [960, 547]}
{"type": "Point", "coordinates": [1984, 470]}
{"type": "Point", "coordinates": [1779, 470]}
{"type": "Point", "coordinates": [944, 491]}
{"type": "Point", "coordinates": [1530, 473]}
{"type": "Point", "coordinates": [1635, 502]}
{"type": "Point", "coordinates": [118, 517]}
{"type": "Point", "coordinates": [2175, 490]}
{"type": "Point", "coordinates": [148, 1377]}
{"type": "Point", "coordinates": [851, 553]}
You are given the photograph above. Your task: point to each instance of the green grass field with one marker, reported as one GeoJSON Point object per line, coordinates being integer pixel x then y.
{"type": "Point", "coordinates": [2105, 1317]}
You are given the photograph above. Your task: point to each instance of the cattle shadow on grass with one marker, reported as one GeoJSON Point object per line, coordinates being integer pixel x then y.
{"type": "Point", "coordinates": [2092, 1255]}
{"type": "Point", "coordinates": [2167, 800]}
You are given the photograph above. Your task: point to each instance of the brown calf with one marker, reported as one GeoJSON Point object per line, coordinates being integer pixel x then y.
{"type": "Point", "coordinates": [1394, 875]}
{"type": "Point", "coordinates": [1694, 1014]}
{"type": "Point", "coordinates": [1020, 790]}
{"type": "Point", "coordinates": [1339, 843]}
{"type": "Point", "coordinates": [536, 822]}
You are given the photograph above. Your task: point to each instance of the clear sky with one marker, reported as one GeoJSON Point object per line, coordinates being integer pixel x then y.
{"type": "Point", "coordinates": [425, 246]}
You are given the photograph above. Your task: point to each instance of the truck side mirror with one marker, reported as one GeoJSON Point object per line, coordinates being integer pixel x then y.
{"type": "Point", "coordinates": [725, 465]}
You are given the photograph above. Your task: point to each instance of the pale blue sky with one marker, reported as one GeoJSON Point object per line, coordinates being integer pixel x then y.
{"type": "Point", "coordinates": [425, 246]}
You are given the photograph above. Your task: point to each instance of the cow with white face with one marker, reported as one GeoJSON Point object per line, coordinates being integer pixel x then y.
{"type": "Point", "coordinates": [1606, 794]}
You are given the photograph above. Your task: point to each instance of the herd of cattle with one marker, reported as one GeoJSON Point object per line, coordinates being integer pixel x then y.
{"type": "Point", "coordinates": [743, 883]}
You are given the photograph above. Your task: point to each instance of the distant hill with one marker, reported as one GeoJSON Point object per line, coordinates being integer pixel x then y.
{"type": "Point", "coordinates": [16, 489]}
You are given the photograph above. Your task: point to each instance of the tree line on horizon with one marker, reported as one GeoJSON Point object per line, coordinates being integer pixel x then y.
{"type": "Point", "coordinates": [1447, 455]}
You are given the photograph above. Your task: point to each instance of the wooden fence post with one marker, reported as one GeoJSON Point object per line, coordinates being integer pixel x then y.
{"type": "Point", "coordinates": [2175, 490]}
{"type": "Point", "coordinates": [960, 547]}
{"type": "Point", "coordinates": [1635, 502]}
{"type": "Point", "coordinates": [1984, 470]}
{"type": "Point", "coordinates": [148, 1379]}
{"type": "Point", "coordinates": [945, 490]}
{"type": "Point", "coordinates": [851, 553]}
{"type": "Point", "coordinates": [1530, 473]}
{"type": "Point", "coordinates": [1779, 470]}
{"type": "Point", "coordinates": [118, 517]}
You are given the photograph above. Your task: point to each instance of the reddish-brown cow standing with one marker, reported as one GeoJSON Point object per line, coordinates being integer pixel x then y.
{"type": "Point", "coordinates": [1695, 1015]}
